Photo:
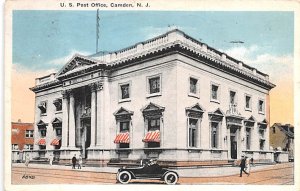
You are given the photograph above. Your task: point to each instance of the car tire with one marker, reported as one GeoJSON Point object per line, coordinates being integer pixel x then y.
{"type": "Point", "coordinates": [171, 178]}
{"type": "Point", "coordinates": [124, 177]}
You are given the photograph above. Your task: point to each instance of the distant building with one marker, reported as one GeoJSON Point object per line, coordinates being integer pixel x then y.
{"type": "Point", "coordinates": [171, 97]}
{"type": "Point", "coordinates": [282, 138]}
{"type": "Point", "coordinates": [22, 139]}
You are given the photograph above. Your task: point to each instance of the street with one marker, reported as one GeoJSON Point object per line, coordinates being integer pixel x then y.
{"type": "Point", "coordinates": [279, 174]}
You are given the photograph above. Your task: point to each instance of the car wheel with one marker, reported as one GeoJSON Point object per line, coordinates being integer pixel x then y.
{"type": "Point", "coordinates": [171, 178]}
{"type": "Point", "coordinates": [124, 177]}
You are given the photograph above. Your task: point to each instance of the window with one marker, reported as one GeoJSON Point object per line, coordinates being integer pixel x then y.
{"type": "Point", "coordinates": [274, 130]}
{"type": "Point", "coordinates": [214, 92]}
{"type": "Point", "coordinates": [261, 106]}
{"type": "Point", "coordinates": [29, 133]}
{"type": "Point", "coordinates": [262, 134]}
{"type": "Point", "coordinates": [124, 91]}
{"type": "Point", "coordinates": [193, 132]}
{"type": "Point", "coordinates": [261, 144]}
{"type": "Point", "coordinates": [248, 102]}
{"type": "Point", "coordinates": [232, 97]}
{"type": "Point", "coordinates": [214, 134]}
{"type": "Point", "coordinates": [58, 132]}
{"type": "Point", "coordinates": [43, 107]}
{"type": "Point", "coordinates": [14, 146]}
{"type": "Point", "coordinates": [248, 138]}
{"type": "Point", "coordinates": [124, 126]}
{"type": "Point", "coordinates": [28, 147]}
{"type": "Point", "coordinates": [154, 85]}
{"type": "Point", "coordinates": [43, 132]}
{"type": "Point", "coordinates": [193, 85]}
{"type": "Point", "coordinates": [58, 104]}
{"type": "Point", "coordinates": [153, 125]}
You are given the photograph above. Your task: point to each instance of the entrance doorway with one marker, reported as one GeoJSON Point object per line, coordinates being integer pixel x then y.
{"type": "Point", "coordinates": [86, 138]}
{"type": "Point", "coordinates": [233, 143]}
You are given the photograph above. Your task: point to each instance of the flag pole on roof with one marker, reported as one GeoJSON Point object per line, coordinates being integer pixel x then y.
{"type": "Point", "coordinates": [97, 29]}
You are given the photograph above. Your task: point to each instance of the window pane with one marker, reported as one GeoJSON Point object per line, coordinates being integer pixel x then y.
{"type": "Point", "coordinates": [214, 92]}
{"type": "Point", "coordinates": [154, 124]}
{"type": "Point", "coordinates": [247, 102]}
{"type": "Point", "coordinates": [154, 85]}
{"type": "Point", "coordinates": [214, 134]}
{"type": "Point", "coordinates": [125, 91]}
{"type": "Point", "coordinates": [124, 126]}
{"type": "Point", "coordinates": [193, 85]}
{"type": "Point", "coordinates": [232, 97]}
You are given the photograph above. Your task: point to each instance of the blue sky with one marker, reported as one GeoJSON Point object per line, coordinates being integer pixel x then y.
{"type": "Point", "coordinates": [44, 40]}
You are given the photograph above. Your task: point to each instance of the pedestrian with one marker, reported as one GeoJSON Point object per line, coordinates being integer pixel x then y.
{"type": "Point", "coordinates": [74, 160]}
{"type": "Point", "coordinates": [79, 162]}
{"type": "Point", "coordinates": [242, 165]}
{"type": "Point", "coordinates": [50, 160]}
{"type": "Point", "coordinates": [252, 161]}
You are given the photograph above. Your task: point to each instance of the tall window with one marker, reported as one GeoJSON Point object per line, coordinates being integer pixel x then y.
{"type": "Point", "coordinates": [247, 102]}
{"type": "Point", "coordinates": [248, 138]}
{"type": "Point", "coordinates": [193, 85]}
{"type": "Point", "coordinates": [214, 92]}
{"type": "Point", "coordinates": [124, 91]}
{"type": "Point", "coordinates": [43, 132]}
{"type": "Point", "coordinates": [58, 132]}
{"type": "Point", "coordinates": [29, 133]}
{"type": "Point", "coordinates": [274, 130]}
{"type": "Point", "coordinates": [193, 132]}
{"type": "Point", "coordinates": [261, 144]}
{"type": "Point", "coordinates": [232, 97]}
{"type": "Point", "coordinates": [153, 125]}
{"type": "Point", "coordinates": [261, 106]}
{"type": "Point", "coordinates": [214, 134]}
{"type": "Point", "coordinates": [154, 85]}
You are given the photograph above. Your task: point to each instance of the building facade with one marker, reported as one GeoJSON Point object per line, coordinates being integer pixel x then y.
{"type": "Point", "coordinates": [22, 139]}
{"type": "Point", "coordinates": [282, 138]}
{"type": "Point", "coordinates": [170, 97]}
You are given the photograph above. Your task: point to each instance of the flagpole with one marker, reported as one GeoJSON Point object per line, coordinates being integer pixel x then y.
{"type": "Point", "coordinates": [97, 29]}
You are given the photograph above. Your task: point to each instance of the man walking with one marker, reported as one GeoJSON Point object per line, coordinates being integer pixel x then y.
{"type": "Point", "coordinates": [74, 161]}
{"type": "Point", "coordinates": [242, 165]}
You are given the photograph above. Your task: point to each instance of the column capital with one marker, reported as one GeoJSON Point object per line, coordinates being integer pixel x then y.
{"type": "Point", "coordinates": [96, 86]}
{"type": "Point", "coordinates": [64, 93]}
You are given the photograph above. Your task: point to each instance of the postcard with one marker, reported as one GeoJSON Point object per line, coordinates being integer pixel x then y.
{"type": "Point", "coordinates": [143, 95]}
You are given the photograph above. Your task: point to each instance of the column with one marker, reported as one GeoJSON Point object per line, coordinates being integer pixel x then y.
{"type": "Point", "coordinates": [93, 116]}
{"type": "Point", "coordinates": [65, 122]}
{"type": "Point", "coordinates": [99, 114]}
{"type": "Point", "coordinates": [72, 121]}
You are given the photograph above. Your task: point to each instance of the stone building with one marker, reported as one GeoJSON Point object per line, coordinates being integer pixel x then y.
{"type": "Point", "coordinates": [22, 139]}
{"type": "Point", "coordinates": [171, 97]}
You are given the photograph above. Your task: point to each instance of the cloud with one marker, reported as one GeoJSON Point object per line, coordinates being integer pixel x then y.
{"type": "Point", "coordinates": [277, 66]}
{"type": "Point", "coordinates": [63, 60]}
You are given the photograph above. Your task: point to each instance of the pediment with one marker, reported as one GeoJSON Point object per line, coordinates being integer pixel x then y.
{"type": "Point", "coordinates": [152, 107]}
{"type": "Point", "coordinates": [76, 63]}
{"type": "Point", "coordinates": [249, 122]}
{"type": "Point", "coordinates": [41, 123]}
{"type": "Point", "coordinates": [217, 112]}
{"type": "Point", "coordinates": [216, 115]}
{"type": "Point", "coordinates": [56, 120]}
{"type": "Point", "coordinates": [197, 108]}
{"type": "Point", "coordinates": [123, 111]}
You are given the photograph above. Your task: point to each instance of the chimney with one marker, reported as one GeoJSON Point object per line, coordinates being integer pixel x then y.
{"type": "Point", "coordinates": [19, 121]}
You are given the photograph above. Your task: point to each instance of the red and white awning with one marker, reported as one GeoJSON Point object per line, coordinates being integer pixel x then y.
{"type": "Point", "coordinates": [122, 138]}
{"type": "Point", "coordinates": [41, 142]}
{"type": "Point", "coordinates": [152, 136]}
{"type": "Point", "coordinates": [55, 142]}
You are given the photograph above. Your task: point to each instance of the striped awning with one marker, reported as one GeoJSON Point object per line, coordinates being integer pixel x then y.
{"type": "Point", "coordinates": [55, 142]}
{"type": "Point", "coordinates": [122, 138]}
{"type": "Point", "coordinates": [152, 136]}
{"type": "Point", "coordinates": [41, 142]}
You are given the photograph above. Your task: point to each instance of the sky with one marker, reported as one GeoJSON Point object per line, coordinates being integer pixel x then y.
{"type": "Point", "coordinates": [43, 41]}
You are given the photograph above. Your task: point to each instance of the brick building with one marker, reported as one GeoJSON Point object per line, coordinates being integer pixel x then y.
{"type": "Point", "coordinates": [22, 139]}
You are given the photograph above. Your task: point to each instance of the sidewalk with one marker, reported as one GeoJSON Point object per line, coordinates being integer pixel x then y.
{"type": "Point", "coordinates": [183, 172]}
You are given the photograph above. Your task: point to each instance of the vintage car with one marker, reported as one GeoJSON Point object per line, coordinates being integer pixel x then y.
{"type": "Point", "coordinates": [148, 169]}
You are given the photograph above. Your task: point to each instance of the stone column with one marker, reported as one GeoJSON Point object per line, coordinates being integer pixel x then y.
{"type": "Point", "coordinates": [99, 114]}
{"type": "Point", "coordinates": [65, 122]}
{"type": "Point", "coordinates": [93, 116]}
{"type": "Point", "coordinates": [72, 121]}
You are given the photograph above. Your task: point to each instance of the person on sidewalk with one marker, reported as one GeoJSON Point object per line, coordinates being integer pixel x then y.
{"type": "Point", "coordinates": [247, 168]}
{"type": "Point", "coordinates": [242, 165]}
{"type": "Point", "coordinates": [27, 160]}
{"type": "Point", "coordinates": [50, 160]}
{"type": "Point", "coordinates": [74, 160]}
{"type": "Point", "coordinates": [79, 162]}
